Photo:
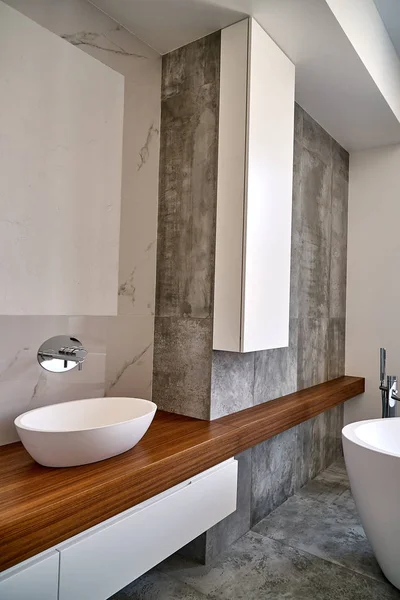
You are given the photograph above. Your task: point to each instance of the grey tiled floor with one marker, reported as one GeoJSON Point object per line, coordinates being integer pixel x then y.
{"type": "Point", "coordinates": [311, 548]}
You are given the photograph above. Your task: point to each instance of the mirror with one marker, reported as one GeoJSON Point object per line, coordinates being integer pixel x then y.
{"type": "Point", "coordinates": [61, 120]}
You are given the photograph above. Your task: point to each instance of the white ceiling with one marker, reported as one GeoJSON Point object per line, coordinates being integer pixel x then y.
{"type": "Point", "coordinates": [332, 83]}
{"type": "Point", "coordinates": [169, 24]}
{"type": "Point", "coordinates": [390, 15]}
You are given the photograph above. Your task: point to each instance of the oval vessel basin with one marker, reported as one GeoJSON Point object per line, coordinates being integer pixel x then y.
{"type": "Point", "coordinates": [84, 431]}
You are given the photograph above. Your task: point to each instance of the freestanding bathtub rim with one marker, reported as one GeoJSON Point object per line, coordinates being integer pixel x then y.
{"type": "Point", "coordinates": [351, 433]}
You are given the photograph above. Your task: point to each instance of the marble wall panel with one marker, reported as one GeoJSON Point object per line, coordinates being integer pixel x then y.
{"type": "Point", "coordinates": [86, 27]}
{"type": "Point", "coordinates": [129, 365]}
{"type": "Point", "coordinates": [120, 348]}
{"type": "Point", "coordinates": [25, 385]}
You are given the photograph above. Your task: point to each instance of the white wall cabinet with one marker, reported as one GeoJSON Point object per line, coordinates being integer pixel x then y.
{"type": "Point", "coordinates": [99, 562]}
{"type": "Point", "coordinates": [254, 203]}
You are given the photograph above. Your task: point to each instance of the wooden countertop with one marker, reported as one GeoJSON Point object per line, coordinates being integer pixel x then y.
{"type": "Point", "coordinates": [41, 507]}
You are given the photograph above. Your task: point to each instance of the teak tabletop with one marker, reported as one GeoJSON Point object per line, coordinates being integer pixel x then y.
{"type": "Point", "coordinates": [41, 507]}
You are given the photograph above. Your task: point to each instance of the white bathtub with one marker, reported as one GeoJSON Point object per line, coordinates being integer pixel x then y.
{"type": "Point", "coordinates": [372, 455]}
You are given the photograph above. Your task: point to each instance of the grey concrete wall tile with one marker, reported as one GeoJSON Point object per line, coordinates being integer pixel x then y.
{"type": "Point", "coordinates": [316, 139]}
{"type": "Point", "coordinates": [296, 230]}
{"type": "Point", "coordinates": [310, 449]}
{"type": "Point", "coordinates": [333, 441]}
{"type": "Point", "coordinates": [298, 122]}
{"type": "Point", "coordinates": [232, 382]}
{"type": "Point", "coordinates": [276, 370]}
{"type": "Point", "coordinates": [195, 551]}
{"type": "Point", "coordinates": [182, 365]}
{"type": "Point", "coordinates": [340, 159]}
{"type": "Point", "coordinates": [188, 179]}
{"type": "Point", "coordinates": [336, 347]}
{"type": "Point", "coordinates": [273, 473]}
{"type": "Point", "coordinates": [318, 444]}
{"type": "Point", "coordinates": [338, 267]}
{"type": "Point", "coordinates": [315, 252]}
{"type": "Point", "coordinates": [312, 355]}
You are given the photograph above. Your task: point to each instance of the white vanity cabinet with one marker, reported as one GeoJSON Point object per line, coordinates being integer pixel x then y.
{"type": "Point", "coordinates": [35, 579]}
{"type": "Point", "coordinates": [254, 197]}
{"type": "Point", "coordinates": [100, 561]}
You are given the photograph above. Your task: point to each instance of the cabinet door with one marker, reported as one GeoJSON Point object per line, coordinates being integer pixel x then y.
{"type": "Point", "coordinates": [99, 563]}
{"type": "Point", "coordinates": [268, 214]}
{"type": "Point", "coordinates": [32, 580]}
{"type": "Point", "coordinates": [254, 196]}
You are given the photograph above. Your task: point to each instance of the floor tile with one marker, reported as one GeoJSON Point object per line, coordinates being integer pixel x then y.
{"type": "Point", "coordinates": [330, 531]}
{"type": "Point", "coordinates": [157, 586]}
{"type": "Point", "coordinates": [259, 568]}
{"type": "Point", "coordinates": [336, 472]}
{"type": "Point", "coordinates": [330, 486]}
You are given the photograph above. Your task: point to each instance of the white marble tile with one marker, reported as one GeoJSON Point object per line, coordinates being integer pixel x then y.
{"type": "Point", "coordinates": [15, 397]}
{"type": "Point", "coordinates": [20, 340]}
{"type": "Point", "coordinates": [23, 385]}
{"type": "Point", "coordinates": [130, 356]}
{"type": "Point", "coordinates": [92, 330]}
{"type": "Point", "coordinates": [51, 390]}
{"type": "Point", "coordinates": [93, 32]}
{"type": "Point", "coordinates": [18, 396]}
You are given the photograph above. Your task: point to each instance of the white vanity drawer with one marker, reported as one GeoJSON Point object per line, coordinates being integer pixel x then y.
{"type": "Point", "coordinates": [100, 562]}
{"type": "Point", "coordinates": [35, 579]}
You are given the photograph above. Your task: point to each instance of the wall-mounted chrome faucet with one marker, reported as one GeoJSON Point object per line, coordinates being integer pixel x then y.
{"type": "Point", "coordinates": [61, 353]}
{"type": "Point", "coordinates": [388, 387]}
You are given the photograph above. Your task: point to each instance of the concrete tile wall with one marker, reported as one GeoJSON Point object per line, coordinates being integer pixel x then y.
{"type": "Point", "coordinates": [186, 228]}
{"type": "Point", "coordinates": [189, 377]}
{"type": "Point", "coordinates": [318, 283]}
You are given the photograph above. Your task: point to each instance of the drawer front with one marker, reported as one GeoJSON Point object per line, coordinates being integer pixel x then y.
{"type": "Point", "coordinates": [104, 561]}
{"type": "Point", "coordinates": [33, 580]}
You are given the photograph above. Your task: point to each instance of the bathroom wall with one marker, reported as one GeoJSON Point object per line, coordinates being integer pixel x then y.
{"type": "Point", "coordinates": [373, 280]}
{"type": "Point", "coordinates": [120, 348]}
{"type": "Point", "coordinates": [222, 382]}
{"type": "Point", "coordinates": [191, 378]}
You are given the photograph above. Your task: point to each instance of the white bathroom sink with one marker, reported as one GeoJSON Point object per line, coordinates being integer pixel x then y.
{"type": "Point", "coordinates": [84, 431]}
